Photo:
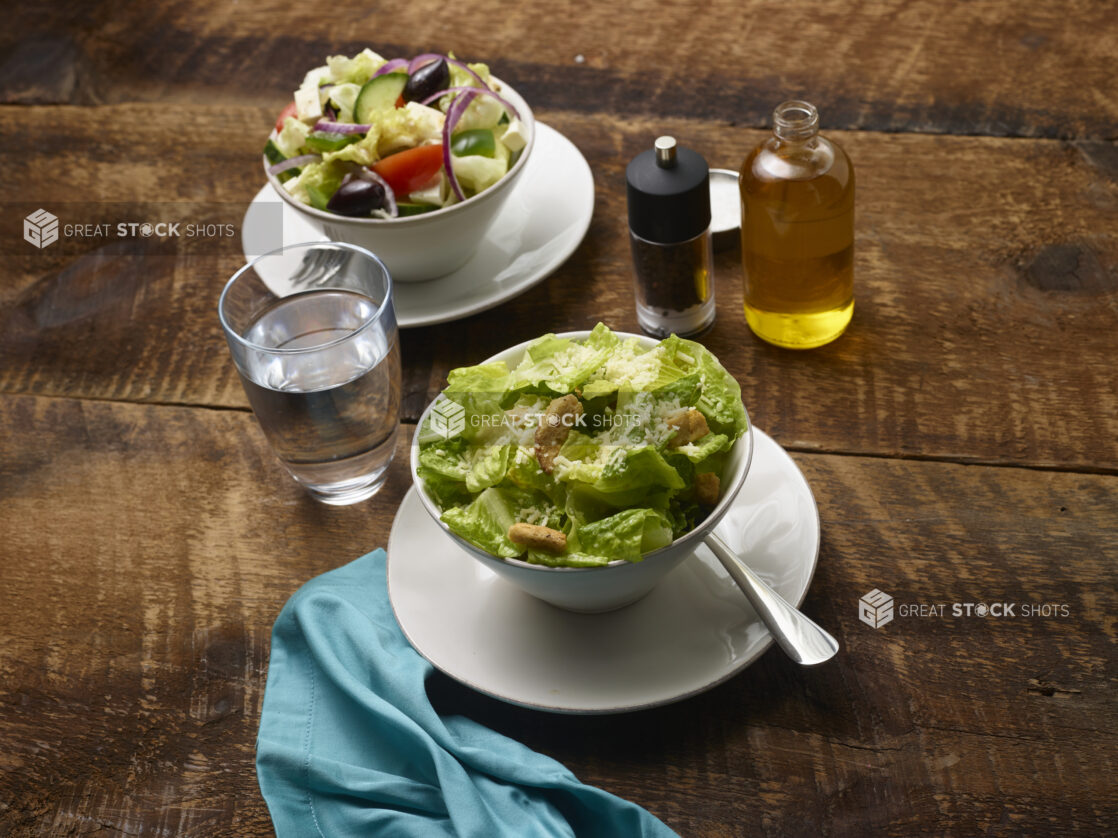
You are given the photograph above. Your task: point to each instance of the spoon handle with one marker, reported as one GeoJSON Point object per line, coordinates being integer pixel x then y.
{"type": "Point", "coordinates": [800, 637]}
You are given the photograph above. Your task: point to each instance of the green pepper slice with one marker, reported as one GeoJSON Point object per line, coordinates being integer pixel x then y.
{"type": "Point", "coordinates": [321, 141]}
{"type": "Point", "coordinates": [475, 142]}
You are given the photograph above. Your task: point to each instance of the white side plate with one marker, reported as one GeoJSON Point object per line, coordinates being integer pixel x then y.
{"type": "Point", "coordinates": [695, 630]}
{"type": "Point", "coordinates": [539, 227]}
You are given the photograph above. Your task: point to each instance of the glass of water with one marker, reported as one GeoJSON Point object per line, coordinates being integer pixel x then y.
{"type": "Point", "coordinates": [313, 334]}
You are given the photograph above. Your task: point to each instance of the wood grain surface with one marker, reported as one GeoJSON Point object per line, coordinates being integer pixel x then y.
{"type": "Point", "coordinates": [989, 67]}
{"type": "Point", "coordinates": [961, 439]}
{"type": "Point", "coordinates": [973, 274]}
{"type": "Point", "coordinates": [168, 538]}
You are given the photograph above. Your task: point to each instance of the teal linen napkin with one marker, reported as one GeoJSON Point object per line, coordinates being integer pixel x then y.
{"type": "Point", "coordinates": [349, 744]}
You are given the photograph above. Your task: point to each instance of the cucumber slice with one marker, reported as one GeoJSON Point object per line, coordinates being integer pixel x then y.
{"type": "Point", "coordinates": [272, 152]}
{"type": "Point", "coordinates": [405, 208]}
{"type": "Point", "coordinates": [379, 94]}
{"type": "Point", "coordinates": [273, 156]}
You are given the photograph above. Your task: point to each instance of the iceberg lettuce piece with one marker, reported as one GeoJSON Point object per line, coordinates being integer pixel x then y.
{"type": "Point", "coordinates": [461, 78]}
{"type": "Point", "coordinates": [395, 130]}
{"type": "Point", "coordinates": [363, 152]}
{"type": "Point", "coordinates": [317, 183]}
{"type": "Point", "coordinates": [476, 173]}
{"type": "Point", "coordinates": [356, 70]}
{"type": "Point", "coordinates": [344, 97]}
{"type": "Point", "coordinates": [482, 112]}
{"type": "Point", "coordinates": [409, 126]}
{"type": "Point", "coordinates": [294, 135]}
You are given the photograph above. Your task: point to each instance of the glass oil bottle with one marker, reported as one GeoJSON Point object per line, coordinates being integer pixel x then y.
{"type": "Point", "coordinates": [797, 232]}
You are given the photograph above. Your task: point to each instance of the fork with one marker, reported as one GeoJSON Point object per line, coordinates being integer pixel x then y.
{"type": "Point", "coordinates": [318, 268]}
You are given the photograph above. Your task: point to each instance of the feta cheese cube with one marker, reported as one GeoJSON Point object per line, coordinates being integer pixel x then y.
{"type": "Point", "coordinates": [308, 104]}
{"type": "Point", "coordinates": [515, 136]}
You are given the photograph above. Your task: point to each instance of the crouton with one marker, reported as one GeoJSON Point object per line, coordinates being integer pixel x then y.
{"type": "Point", "coordinates": [707, 487]}
{"type": "Point", "coordinates": [560, 416]}
{"type": "Point", "coordinates": [538, 538]}
{"type": "Point", "coordinates": [689, 425]}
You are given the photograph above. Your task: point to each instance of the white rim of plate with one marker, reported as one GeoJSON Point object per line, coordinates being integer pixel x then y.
{"type": "Point", "coordinates": [761, 440]}
{"type": "Point", "coordinates": [545, 135]}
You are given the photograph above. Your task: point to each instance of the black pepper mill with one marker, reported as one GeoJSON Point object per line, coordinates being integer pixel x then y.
{"type": "Point", "coordinates": [668, 189]}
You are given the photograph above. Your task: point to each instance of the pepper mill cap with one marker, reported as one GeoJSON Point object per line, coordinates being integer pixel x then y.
{"type": "Point", "coordinates": [668, 190]}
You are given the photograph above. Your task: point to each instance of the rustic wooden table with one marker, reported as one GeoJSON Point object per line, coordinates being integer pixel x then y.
{"type": "Point", "coordinates": [961, 438]}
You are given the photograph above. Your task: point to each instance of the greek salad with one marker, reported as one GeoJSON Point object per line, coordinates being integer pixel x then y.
{"type": "Point", "coordinates": [369, 137]}
{"type": "Point", "coordinates": [586, 452]}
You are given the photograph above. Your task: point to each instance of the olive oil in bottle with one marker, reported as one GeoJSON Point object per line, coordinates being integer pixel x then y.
{"type": "Point", "coordinates": [797, 233]}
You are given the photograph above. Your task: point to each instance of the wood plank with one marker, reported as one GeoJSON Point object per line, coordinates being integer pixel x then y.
{"type": "Point", "coordinates": [1001, 68]}
{"type": "Point", "coordinates": [971, 292]}
{"type": "Point", "coordinates": [148, 549]}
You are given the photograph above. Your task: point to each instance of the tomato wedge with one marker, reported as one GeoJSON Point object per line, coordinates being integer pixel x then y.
{"type": "Point", "coordinates": [284, 114]}
{"type": "Point", "coordinates": [409, 170]}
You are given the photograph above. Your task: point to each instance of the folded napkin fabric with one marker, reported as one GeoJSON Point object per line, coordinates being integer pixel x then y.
{"type": "Point", "coordinates": [350, 745]}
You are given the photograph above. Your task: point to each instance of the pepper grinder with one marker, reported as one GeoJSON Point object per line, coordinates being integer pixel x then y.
{"type": "Point", "coordinates": [668, 189]}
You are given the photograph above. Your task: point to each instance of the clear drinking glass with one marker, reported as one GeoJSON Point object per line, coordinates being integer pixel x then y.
{"type": "Point", "coordinates": [312, 330]}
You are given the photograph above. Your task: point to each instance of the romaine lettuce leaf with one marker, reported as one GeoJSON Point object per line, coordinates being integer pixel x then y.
{"type": "Point", "coordinates": [625, 535]}
{"type": "Point", "coordinates": [485, 522]}
{"type": "Point", "coordinates": [489, 466]}
{"type": "Point", "coordinates": [720, 401]}
{"type": "Point", "coordinates": [560, 365]}
{"type": "Point", "coordinates": [447, 492]}
{"type": "Point", "coordinates": [635, 474]}
{"type": "Point", "coordinates": [618, 490]}
{"type": "Point", "coordinates": [701, 449]}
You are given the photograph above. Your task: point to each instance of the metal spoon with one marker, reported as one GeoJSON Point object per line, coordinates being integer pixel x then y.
{"type": "Point", "coordinates": [801, 639]}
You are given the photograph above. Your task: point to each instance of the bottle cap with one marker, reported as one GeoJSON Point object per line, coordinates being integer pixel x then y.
{"type": "Point", "coordinates": [668, 193]}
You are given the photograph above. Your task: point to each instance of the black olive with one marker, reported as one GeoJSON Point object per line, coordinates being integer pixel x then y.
{"type": "Point", "coordinates": [427, 81]}
{"type": "Point", "coordinates": [357, 197]}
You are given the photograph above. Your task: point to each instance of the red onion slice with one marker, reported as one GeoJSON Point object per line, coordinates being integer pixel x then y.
{"type": "Point", "coordinates": [340, 127]}
{"type": "Point", "coordinates": [485, 91]}
{"type": "Point", "coordinates": [389, 195]}
{"type": "Point", "coordinates": [293, 163]}
{"type": "Point", "coordinates": [453, 114]}
{"type": "Point", "coordinates": [390, 67]}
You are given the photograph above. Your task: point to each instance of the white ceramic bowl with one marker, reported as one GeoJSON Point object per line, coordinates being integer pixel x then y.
{"type": "Point", "coordinates": [619, 583]}
{"type": "Point", "coordinates": [433, 244]}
